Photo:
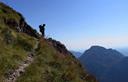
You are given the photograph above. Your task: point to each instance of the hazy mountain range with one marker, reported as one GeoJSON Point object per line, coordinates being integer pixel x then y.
{"type": "Point", "coordinates": [76, 53]}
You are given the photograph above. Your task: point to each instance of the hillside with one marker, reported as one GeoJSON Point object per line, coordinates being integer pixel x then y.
{"type": "Point", "coordinates": [97, 60]}
{"type": "Point", "coordinates": [25, 56]}
{"type": "Point", "coordinates": [118, 72]}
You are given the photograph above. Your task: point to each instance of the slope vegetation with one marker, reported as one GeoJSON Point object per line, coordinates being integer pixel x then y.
{"type": "Point", "coordinates": [52, 62]}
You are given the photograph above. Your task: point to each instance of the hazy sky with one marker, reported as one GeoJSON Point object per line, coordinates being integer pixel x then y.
{"type": "Point", "coordinates": [79, 24]}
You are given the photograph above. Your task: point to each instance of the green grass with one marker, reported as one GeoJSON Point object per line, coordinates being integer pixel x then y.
{"type": "Point", "coordinates": [50, 66]}
{"type": "Point", "coordinates": [1, 11]}
{"type": "Point", "coordinates": [8, 13]}
{"type": "Point", "coordinates": [14, 48]}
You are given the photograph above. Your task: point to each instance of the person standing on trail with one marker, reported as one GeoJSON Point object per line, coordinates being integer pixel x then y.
{"type": "Point", "coordinates": [42, 29]}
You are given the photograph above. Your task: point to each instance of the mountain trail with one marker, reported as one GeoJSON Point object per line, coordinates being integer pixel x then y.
{"type": "Point", "coordinates": [13, 75]}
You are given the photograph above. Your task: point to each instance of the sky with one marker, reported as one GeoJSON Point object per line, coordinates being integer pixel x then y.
{"type": "Point", "coordinates": [78, 24]}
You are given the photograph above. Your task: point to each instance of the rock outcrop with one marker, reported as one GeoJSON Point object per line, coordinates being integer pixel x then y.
{"type": "Point", "coordinates": [58, 46]}
{"type": "Point", "coordinates": [16, 22]}
{"type": "Point", "coordinates": [24, 27]}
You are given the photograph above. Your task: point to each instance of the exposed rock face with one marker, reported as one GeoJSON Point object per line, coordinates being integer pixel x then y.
{"type": "Point", "coordinates": [59, 46]}
{"type": "Point", "coordinates": [16, 21]}
{"type": "Point", "coordinates": [11, 23]}
{"type": "Point", "coordinates": [24, 27]}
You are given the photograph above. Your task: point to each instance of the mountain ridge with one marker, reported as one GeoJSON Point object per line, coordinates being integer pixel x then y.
{"type": "Point", "coordinates": [76, 53]}
{"type": "Point", "coordinates": [52, 62]}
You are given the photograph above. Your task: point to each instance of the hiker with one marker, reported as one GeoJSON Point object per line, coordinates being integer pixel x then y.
{"type": "Point", "coordinates": [42, 29]}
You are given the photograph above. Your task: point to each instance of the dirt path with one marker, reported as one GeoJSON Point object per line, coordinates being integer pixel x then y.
{"type": "Point", "coordinates": [12, 76]}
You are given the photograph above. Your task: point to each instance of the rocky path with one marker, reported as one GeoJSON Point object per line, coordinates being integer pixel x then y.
{"type": "Point", "coordinates": [13, 75]}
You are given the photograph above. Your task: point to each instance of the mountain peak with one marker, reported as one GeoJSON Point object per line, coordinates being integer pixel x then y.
{"type": "Point", "coordinates": [96, 47]}
{"type": "Point", "coordinates": [97, 59]}
{"type": "Point", "coordinates": [102, 51]}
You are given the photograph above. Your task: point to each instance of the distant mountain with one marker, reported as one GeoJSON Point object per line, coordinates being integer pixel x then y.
{"type": "Point", "coordinates": [76, 54]}
{"type": "Point", "coordinates": [117, 73]}
{"type": "Point", "coordinates": [98, 60]}
{"type": "Point", "coordinates": [123, 51]}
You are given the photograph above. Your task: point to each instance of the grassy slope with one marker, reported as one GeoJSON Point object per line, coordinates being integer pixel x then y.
{"type": "Point", "coordinates": [49, 65]}
{"type": "Point", "coordinates": [13, 46]}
